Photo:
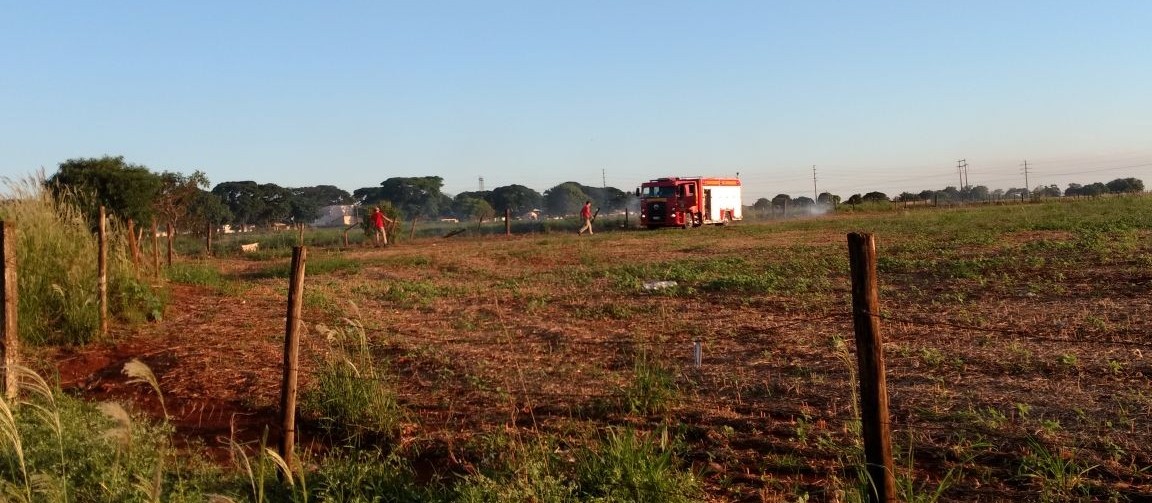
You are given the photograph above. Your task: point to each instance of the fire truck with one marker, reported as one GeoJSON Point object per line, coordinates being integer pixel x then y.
{"type": "Point", "coordinates": [689, 201]}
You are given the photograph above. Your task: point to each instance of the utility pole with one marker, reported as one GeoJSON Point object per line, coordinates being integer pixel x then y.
{"type": "Point", "coordinates": [1026, 188]}
{"type": "Point", "coordinates": [815, 198]}
{"type": "Point", "coordinates": [960, 171]}
{"type": "Point", "coordinates": [966, 173]}
{"type": "Point", "coordinates": [603, 178]}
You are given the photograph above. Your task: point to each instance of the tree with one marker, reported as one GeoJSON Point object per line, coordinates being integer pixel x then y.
{"type": "Point", "coordinates": [176, 195]}
{"type": "Point", "coordinates": [978, 193]}
{"type": "Point", "coordinates": [414, 196]}
{"type": "Point", "coordinates": [876, 197]}
{"type": "Point", "coordinates": [470, 208]}
{"type": "Point", "coordinates": [927, 195]}
{"type": "Point", "coordinates": [258, 204]}
{"type": "Point", "coordinates": [126, 190]}
{"type": "Point", "coordinates": [303, 210]}
{"type": "Point", "coordinates": [762, 204]}
{"type": "Point", "coordinates": [1125, 185]}
{"type": "Point", "coordinates": [518, 199]}
{"type": "Point", "coordinates": [277, 207]}
{"type": "Point", "coordinates": [242, 199]}
{"type": "Point", "coordinates": [907, 197]}
{"type": "Point", "coordinates": [855, 199]}
{"type": "Point", "coordinates": [1016, 193]}
{"type": "Point", "coordinates": [368, 196]}
{"type": "Point", "coordinates": [781, 200]}
{"type": "Point", "coordinates": [803, 202]}
{"type": "Point", "coordinates": [323, 195]}
{"type": "Point", "coordinates": [1047, 191]}
{"type": "Point", "coordinates": [564, 199]}
{"type": "Point", "coordinates": [207, 209]}
{"type": "Point", "coordinates": [607, 198]}
{"type": "Point", "coordinates": [828, 199]}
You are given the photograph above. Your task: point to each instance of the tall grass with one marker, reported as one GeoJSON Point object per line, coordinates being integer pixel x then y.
{"type": "Point", "coordinates": [57, 267]}
{"type": "Point", "coordinates": [352, 396]}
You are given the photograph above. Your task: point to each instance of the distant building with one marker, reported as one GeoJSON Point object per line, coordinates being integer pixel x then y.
{"type": "Point", "coordinates": [340, 215]}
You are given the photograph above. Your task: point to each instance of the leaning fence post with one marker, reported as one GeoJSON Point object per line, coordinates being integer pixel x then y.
{"type": "Point", "coordinates": [10, 342]}
{"type": "Point", "coordinates": [412, 228]}
{"type": "Point", "coordinates": [507, 222]}
{"type": "Point", "coordinates": [870, 359]}
{"type": "Point", "coordinates": [291, 355]}
{"type": "Point", "coordinates": [102, 271]}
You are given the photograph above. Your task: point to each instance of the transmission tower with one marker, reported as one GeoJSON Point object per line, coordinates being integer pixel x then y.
{"type": "Point", "coordinates": [1026, 187]}
{"type": "Point", "coordinates": [815, 198]}
{"type": "Point", "coordinates": [481, 184]}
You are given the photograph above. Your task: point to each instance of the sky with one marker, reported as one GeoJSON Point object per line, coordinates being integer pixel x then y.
{"type": "Point", "coordinates": [794, 97]}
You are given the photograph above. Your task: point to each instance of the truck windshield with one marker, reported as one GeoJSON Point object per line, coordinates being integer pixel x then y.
{"type": "Point", "coordinates": [663, 191]}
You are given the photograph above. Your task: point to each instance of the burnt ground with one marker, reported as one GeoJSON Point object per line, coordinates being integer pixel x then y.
{"type": "Point", "coordinates": [496, 336]}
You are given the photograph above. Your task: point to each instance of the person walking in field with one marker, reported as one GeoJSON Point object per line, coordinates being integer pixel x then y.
{"type": "Point", "coordinates": [379, 220]}
{"type": "Point", "coordinates": [586, 214]}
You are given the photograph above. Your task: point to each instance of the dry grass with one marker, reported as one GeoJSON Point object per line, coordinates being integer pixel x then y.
{"type": "Point", "coordinates": [1017, 358]}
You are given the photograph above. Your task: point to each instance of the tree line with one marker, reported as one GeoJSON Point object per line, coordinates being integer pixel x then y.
{"type": "Point", "coordinates": [977, 193]}
{"type": "Point", "coordinates": [133, 191]}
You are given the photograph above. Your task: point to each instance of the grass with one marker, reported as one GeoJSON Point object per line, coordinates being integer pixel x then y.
{"type": "Point", "coordinates": [352, 397]}
{"type": "Point", "coordinates": [976, 302]}
{"type": "Point", "coordinates": [57, 269]}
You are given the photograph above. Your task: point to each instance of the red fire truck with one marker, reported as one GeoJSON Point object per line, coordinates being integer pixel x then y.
{"type": "Point", "coordinates": [689, 201]}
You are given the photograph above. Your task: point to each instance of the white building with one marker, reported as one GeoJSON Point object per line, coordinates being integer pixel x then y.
{"type": "Point", "coordinates": [341, 215]}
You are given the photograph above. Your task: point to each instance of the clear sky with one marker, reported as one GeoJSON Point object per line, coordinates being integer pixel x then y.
{"type": "Point", "coordinates": [878, 95]}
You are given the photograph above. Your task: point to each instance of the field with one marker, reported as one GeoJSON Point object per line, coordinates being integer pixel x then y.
{"type": "Point", "coordinates": [1014, 340]}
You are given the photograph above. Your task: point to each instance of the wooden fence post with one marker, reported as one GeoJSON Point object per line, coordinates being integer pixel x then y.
{"type": "Point", "coordinates": [155, 248]}
{"type": "Point", "coordinates": [10, 342]}
{"type": "Point", "coordinates": [507, 222]}
{"type": "Point", "coordinates": [132, 244]}
{"type": "Point", "coordinates": [292, 355]}
{"type": "Point", "coordinates": [870, 359]}
{"type": "Point", "coordinates": [171, 236]}
{"type": "Point", "coordinates": [102, 271]}
{"type": "Point", "coordinates": [412, 229]}
{"type": "Point", "coordinates": [208, 238]}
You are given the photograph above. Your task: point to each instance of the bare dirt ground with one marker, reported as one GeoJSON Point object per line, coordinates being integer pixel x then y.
{"type": "Point", "coordinates": [763, 415]}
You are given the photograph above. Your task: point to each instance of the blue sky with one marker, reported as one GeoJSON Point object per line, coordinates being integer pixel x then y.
{"type": "Point", "coordinates": [880, 96]}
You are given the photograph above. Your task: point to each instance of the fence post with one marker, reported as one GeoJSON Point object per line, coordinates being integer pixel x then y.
{"type": "Point", "coordinates": [102, 271]}
{"type": "Point", "coordinates": [507, 222]}
{"type": "Point", "coordinates": [292, 354]}
{"type": "Point", "coordinates": [155, 248]}
{"type": "Point", "coordinates": [170, 231]}
{"type": "Point", "coordinates": [132, 245]}
{"type": "Point", "coordinates": [870, 359]}
{"type": "Point", "coordinates": [10, 343]}
{"type": "Point", "coordinates": [208, 238]}
{"type": "Point", "coordinates": [412, 229]}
